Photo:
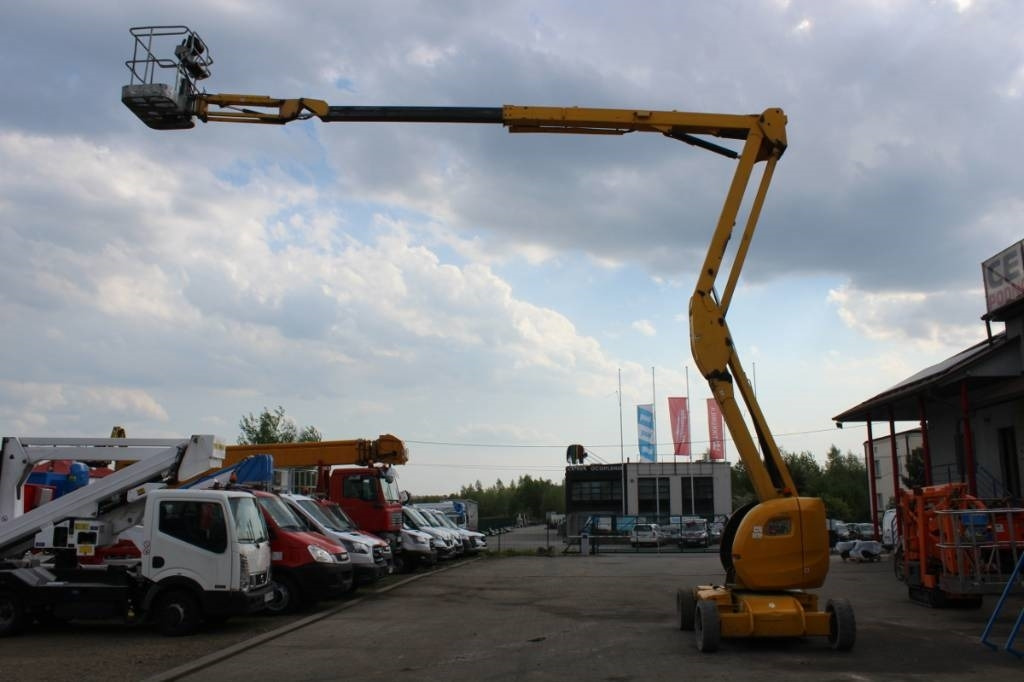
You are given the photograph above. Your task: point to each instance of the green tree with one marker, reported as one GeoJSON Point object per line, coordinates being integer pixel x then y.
{"type": "Point", "coordinates": [845, 484]}
{"type": "Point", "coordinates": [273, 426]}
{"type": "Point", "coordinates": [805, 471]}
{"type": "Point", "coordinates": [914, 476]}
{"type": "Point", "coordinates": [742, 488]}
{"type": "Point", "coordinates": [532, 497]}
{"type": "Point", "coordinates": [841, 483]}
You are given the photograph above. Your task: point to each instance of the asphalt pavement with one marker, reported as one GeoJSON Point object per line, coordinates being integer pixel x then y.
{"type": "Point", "coordinates": [533, 616]}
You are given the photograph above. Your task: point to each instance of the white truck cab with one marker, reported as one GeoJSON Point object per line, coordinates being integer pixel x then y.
{"type": "Point", "coordinates": [371, 556]}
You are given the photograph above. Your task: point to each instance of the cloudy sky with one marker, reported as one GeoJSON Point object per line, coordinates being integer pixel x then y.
{"type": "Point", "coordinates": [478, 293]}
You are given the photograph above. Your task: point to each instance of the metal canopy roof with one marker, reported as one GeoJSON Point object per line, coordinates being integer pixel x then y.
{"type": "Point", "coordinates": [991, 361]}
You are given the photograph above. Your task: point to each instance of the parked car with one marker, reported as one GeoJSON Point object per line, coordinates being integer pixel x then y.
{"type": "Point", "coordinates": [862, 531]}
{"type": "Point", "coordinates": [646, 534]}
{"type": "Point", "coordinates": [837, 531]}
{"type": "Point", "coordinates": [445, 542]}
{"type": "Point", "coordinates": [694, 533]}
{"type": "Point", "coordinates": [472, 540]}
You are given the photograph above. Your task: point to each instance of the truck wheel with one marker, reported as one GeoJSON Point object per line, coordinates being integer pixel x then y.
{"type": "Point", "coordinates": [177, 613]}
{"type": "Point", "coordinates": [707, 626]}
{"type": "Point", "coordinates": [686, 605]}
{"type": "Point", "coordinates": [12, 614]}
{"type": "Point", "coordinates": [287, 597]}
{"type": "Point", "coordinates": [842, 627]}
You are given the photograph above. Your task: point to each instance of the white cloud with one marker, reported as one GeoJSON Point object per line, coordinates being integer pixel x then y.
{"type": "Point", "coordinates": [908, 317]}
{"type": "Point", "coordinates": [644, 327]}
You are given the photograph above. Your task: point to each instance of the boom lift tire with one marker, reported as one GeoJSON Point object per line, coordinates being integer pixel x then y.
{"type": "Point", "coordinates": [177, 613]}
{"type": "Point", "coordinates": [842, 626]}
{"type": "Point", "coordinates": [12, 614]}
{"type": "Point", "coordinates": [707, 626]}
{"type": "Point", "coordinates": [686, 605]}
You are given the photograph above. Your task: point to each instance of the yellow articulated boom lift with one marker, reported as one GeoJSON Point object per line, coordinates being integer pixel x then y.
{"type": "Point", "coordinates": [773, 551]}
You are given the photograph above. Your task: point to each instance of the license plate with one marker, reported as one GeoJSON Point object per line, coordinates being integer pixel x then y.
{"type": "Point", "coordinates": [268, 597]}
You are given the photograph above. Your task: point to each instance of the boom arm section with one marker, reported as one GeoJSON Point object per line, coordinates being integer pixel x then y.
{"type": "Point", "coordinates": [386, 449]}
{"type": "Point", "coordinates": [710, 340]}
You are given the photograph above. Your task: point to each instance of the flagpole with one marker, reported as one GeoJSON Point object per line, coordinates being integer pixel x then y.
{"type": "Point", "coordinates": [622, 449]}
{"type": "Point", "coordinates": [689, 429]}
{"type": "Point", "coordinates": [654, 416]}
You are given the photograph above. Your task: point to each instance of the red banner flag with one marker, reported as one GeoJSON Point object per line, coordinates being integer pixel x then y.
{"type": "Point", "coordinates": [679, 415]}
{"type": "Point", "coordinates": [715, 432]}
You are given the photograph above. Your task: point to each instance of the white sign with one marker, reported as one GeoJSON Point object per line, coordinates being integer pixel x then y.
{"type": "Point", "coordinates": [1004, 277]}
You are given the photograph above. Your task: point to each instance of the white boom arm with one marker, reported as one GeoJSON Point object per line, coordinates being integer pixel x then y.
{"type": "Point", "coordinates": [153, 460]}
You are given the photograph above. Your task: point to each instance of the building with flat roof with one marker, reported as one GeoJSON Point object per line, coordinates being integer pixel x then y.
{"type": "Point", "coordinates": [655, 491]}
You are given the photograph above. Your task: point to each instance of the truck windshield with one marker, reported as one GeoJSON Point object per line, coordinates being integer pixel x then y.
{"type": "Point", "coordinates": [390, 490]}
{"type": "Point", "coordinates": [324, 516]}
{"type": "Point", "coordinates": [249, 525]}
{"type": "Point", "coordinates": [416, 518]}
{"type": "Point", "coordinates": [429, 516]}
{"type": "Point", "coordinates": [338, 516]}
{"type": "Point", "coordinates": [284, 517]}
{"type": "Point", "coordinates": [446, 521]}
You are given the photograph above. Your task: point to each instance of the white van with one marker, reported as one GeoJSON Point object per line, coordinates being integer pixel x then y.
{"type": "Point", "coordinates": [890, 530]}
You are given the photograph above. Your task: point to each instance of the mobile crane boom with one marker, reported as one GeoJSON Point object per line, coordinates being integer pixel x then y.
{"type": "Point", "coordinates": [779, 545]}
{"type": "Point", "coordinates": [386, 449]}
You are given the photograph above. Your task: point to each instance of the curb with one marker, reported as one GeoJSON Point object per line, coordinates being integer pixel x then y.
{"type": "Point", "coordinates": [217, 657]}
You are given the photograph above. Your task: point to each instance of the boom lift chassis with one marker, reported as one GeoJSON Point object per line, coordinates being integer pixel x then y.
{"type": "Point", "coordinates": [772, 551]}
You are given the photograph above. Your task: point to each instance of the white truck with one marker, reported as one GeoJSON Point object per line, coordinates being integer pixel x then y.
{"type": "Point", "coordinates": [371, 556]}
{"type": "Point", "coordinates": [473, 542]}
{"type": "Point", "coordinates": [464, 513]}
{"type": "Point", "coordinates": [198, 555]}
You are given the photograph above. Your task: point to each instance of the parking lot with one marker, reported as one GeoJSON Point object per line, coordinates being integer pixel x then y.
{"type": "Point", "coordinates": [519, 615]}
{"type": "Point", "coordinates": [606, 617]}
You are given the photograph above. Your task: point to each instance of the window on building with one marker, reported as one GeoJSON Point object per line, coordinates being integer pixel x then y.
{"type": "Point", "coordinates": [596, 491]}
{"type": "Point", "coordinates": [699, 495]}
{"type": "Point", "coordinates": [652, 496]}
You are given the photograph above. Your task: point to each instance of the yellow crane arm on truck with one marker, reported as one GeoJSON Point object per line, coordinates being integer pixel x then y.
{"type": "Point", "coordinates": [386, 449]}
{"type": "Point", "coordinates": [772, 550]}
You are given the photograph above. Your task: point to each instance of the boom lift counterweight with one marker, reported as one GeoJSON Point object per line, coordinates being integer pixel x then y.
{"type": "Point", "coordinates": [772, 551]}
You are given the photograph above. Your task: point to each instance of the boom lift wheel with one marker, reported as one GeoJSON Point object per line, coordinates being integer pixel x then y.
{"type": "Point", "coordinates": [842, 627]}
{"type": "Point", "coordinates": [686, 605]}
{"type": "Point", "coordinates": [12, 614]}
{"type": "Point", "coordinates": [707, 626]}
{"type": "Point", "coordinates": [177, 613]}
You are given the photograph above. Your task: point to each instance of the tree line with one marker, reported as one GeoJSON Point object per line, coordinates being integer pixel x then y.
{"type": "Point", "coordinates": [526, 497]}
{"type": "Point", "coordinates": [842, 483]}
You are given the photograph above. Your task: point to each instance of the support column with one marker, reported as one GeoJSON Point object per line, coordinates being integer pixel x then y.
{"type": "Point", "coordinates": [965, 408]}
{"type": "Point", "coordinates": [925, 442]}
{"type": "Point", "coordinates": [892, 441]}
{"type": "Point", "coordinates": [870, 457]}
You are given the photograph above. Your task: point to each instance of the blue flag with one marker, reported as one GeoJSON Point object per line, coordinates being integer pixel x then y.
{"type": "Point", "coordinates": [645, 431]}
